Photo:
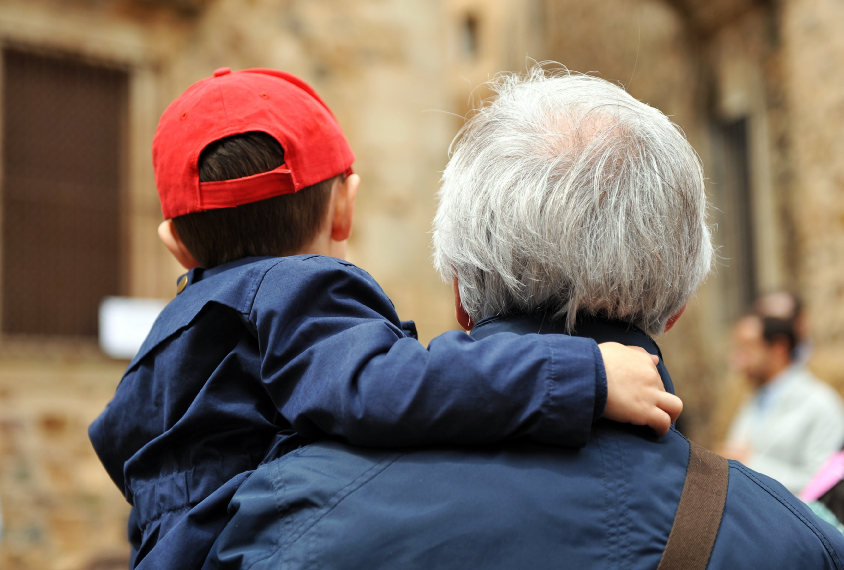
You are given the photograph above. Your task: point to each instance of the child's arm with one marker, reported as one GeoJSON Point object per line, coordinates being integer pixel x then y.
{"type": "Point", "coordinates": [336, 362]}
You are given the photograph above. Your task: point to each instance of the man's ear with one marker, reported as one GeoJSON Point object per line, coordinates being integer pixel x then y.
{"type": "Point", "coordinates": [462, 316]}
{"type": "Point", "coordinates": [167, 234]}
{"type": "Point", "coordinates": [345, 194]}
{"type": "Point", "coordinates": [674, 318]}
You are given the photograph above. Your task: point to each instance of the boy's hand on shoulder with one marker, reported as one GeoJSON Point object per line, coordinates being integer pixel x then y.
{"type": "Point", "coordinates": [635, 393]}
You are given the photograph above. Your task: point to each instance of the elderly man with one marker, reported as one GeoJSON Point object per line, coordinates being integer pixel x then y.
{"type": "Point", "coordinates": [568, 207]}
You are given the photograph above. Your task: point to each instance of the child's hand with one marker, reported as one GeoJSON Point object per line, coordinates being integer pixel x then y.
{"type": "Point", "coordinates": [635, 393]}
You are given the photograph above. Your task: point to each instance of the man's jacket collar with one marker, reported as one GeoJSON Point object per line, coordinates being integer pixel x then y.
{"type": "Point", "coordinates": [597, 328]}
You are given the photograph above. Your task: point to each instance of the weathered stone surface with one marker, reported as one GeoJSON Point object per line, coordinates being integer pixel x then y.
{"type": "Point", "coordinates": [814, 69]}
{"type": "Point", "coordinates": [60, 509]}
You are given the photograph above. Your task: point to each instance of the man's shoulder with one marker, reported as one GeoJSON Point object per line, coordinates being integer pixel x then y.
{"type": "Point", "coordinates": [816, 387]}
{"type": "Point", "coordinates": [615, 498]}
{"type": "Point", "coordinates": [807, 392]}
{"type": "Point", "coordinates": [764, 524]}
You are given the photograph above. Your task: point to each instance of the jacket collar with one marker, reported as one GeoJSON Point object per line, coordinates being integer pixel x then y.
{"type": "Point", "coordinates": [199, 273]}
{"type": "Point", "coordinates": [597, 328]}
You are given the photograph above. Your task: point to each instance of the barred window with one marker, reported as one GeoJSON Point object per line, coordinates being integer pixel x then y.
{"type": "Point", "coordinates": [64, 134]}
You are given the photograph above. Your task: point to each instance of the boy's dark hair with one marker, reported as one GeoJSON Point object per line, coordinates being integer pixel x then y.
{"type": "Point", "coordinates": [774, 330]}
{"type": "Point", "coordinates": [277, 226]}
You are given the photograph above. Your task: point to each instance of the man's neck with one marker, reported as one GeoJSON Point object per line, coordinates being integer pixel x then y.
{"type": "Point", "coordinates": [597, 328]}
{"type": "Point", "coordinates": [776, 371]}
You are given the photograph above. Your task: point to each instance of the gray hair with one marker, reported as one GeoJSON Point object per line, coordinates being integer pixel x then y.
{"type": "Point", "coordinates": [566, 193]}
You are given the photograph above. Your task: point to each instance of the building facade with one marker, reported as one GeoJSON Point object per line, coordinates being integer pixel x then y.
{"type": "Point", "coordinates": [757, 85]}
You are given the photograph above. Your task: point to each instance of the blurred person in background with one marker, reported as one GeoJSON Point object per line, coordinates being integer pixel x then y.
{"type": "Point", "coordinates": [793, 422]}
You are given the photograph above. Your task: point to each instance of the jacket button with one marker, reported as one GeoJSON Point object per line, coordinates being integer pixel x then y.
{"type": "Point", "coordinates": [180, 286]}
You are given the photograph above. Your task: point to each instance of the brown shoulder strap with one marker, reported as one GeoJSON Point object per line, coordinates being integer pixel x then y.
{"type": "Point", "coordinates": [699, 512]}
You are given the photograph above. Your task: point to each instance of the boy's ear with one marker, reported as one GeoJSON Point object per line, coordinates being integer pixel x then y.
{"type": "Point", "coordinates": [167, 234]}
{"type": "Point", "coordinates": [345, 194]}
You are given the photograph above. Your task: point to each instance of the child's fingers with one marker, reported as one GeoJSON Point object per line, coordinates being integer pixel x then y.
{"type": "Point", "coordinates": [670, 404]}
{"type": "Point", "coordinates": [654, 357]}
{"type": "Point", "coordinates": [660, 422]}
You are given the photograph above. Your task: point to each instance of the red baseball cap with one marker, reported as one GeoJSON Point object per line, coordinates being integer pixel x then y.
{"type": "Point", "coordinates": [236, 102]}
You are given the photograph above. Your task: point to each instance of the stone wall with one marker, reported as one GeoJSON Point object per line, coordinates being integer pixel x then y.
{"type": "Point", "coordinates": [60, 509]}
{"type": "Point", "coordinates": [814, 72]}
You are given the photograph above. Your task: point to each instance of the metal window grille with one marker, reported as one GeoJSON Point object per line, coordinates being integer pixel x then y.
{"type": "Point", "coordinates": [63, 141]}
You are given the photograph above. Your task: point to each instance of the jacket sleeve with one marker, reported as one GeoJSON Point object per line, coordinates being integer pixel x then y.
{"type": "Point", "coordinates": [336, 361]}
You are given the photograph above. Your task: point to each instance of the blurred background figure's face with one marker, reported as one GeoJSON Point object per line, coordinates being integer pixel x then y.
{"type": "Point", "coordinates": [750, 354]}
{"type": "Point", "coordinates": [759, 360]}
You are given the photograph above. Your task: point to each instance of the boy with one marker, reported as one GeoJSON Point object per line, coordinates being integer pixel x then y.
{"type": "Point", "coordinates": [271, 343]}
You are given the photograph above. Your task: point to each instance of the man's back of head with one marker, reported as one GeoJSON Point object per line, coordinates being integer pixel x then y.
{"type": "Point", "coordinates": [567, 194]}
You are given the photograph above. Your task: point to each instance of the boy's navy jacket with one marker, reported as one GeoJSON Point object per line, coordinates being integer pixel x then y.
{"type": "Point", "coordinates": [519, 504]}
{"type": "Point", "coordinates": [255, 358]}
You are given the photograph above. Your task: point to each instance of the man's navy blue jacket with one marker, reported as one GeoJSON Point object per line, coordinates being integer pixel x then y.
{"type": "Point", "coordinates": [607, 506]}
{"type": "Point", "coordinates": [256, 357]}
